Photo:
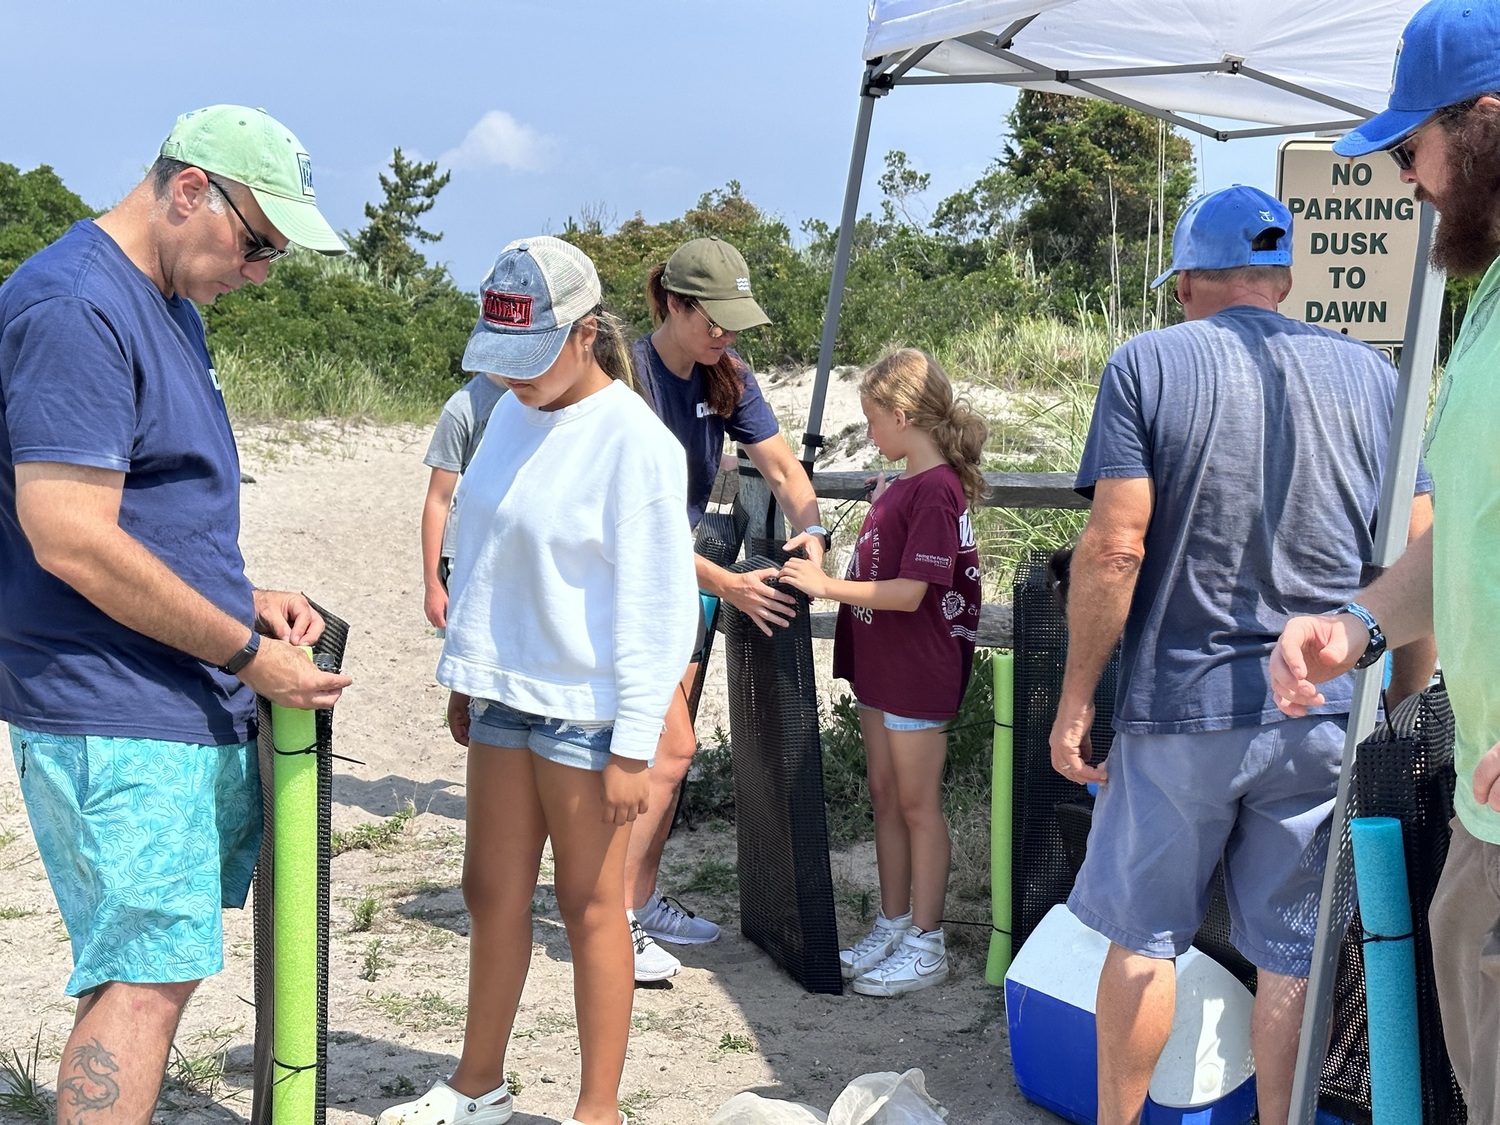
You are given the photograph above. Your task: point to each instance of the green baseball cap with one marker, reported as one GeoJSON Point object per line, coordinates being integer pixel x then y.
{"type": "Point", "coordinates": [714, 274]}
{"type": "Point", "coordinates": [253, 148]}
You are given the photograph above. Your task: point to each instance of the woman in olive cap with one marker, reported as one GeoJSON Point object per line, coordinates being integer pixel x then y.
{"type": "Point", "coordinates": [700, 387]}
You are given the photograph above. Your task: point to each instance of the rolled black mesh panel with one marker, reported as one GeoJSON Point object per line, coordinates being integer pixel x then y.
{"type": "Point", "coordinates": [786, 887]}
{"type": "Point", "coordinates": [719, 537]}
{"type": "Point", "coordinates": [1041, 876]}
{"type": "Point", "coordinates": [1403, 770]}
{"type": "Point", "coordinates": [328, 653]}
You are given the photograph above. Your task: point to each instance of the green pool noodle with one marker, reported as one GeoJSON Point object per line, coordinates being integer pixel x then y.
{"type": "Point", "coordinates": [294, 915]}
{"type": "Point", "coordinates": [1001, 812]}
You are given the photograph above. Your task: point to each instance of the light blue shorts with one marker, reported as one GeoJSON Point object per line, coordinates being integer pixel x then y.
{"type": "Point", "coordinates": [1260, 798]}
{"type": "Point", "coordinates": [144, 842]}
{"type": "Point", "coordinates": [582, 745]}
{"type": "Point", "coordinates": [901, 722]}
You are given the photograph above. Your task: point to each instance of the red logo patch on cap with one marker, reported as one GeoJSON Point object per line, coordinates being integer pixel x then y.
{"type": "Point", "coordinates": [511, 310]}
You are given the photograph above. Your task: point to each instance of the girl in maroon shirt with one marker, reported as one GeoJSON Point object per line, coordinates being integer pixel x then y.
{"type": "Point", "coordinates": [905, 640]}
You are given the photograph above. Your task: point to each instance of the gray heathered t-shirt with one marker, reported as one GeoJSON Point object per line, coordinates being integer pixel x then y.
{"type": "Point", "coordinates": [1264, 439]}
{"type": "Point", "coordinates": [459, 428]}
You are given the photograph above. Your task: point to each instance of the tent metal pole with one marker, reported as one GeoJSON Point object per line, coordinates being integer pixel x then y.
{"type": "Point", "coordinates": [870, 88]}
{"type": "Point", "coordinates": [1418, 356]}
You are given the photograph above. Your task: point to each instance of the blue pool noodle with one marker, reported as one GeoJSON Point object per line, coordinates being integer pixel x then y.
{"type": "Point", "coordinates": [1390, 970]}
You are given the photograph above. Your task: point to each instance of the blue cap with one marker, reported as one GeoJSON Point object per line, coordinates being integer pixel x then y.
{"type": "Point", "coordinates": [529, 300]}
{"type": "Point", "coordinates": [1446, 55]}
{"type": "Point", "coordinates": [1218, 230]}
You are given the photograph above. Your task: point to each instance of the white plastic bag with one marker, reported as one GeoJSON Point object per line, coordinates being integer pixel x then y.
{"type": "Point", "coordinates": [884, 1098]}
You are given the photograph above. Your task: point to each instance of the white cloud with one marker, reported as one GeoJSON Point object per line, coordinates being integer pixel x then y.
{"type": "Point", "coordinates": [498, 139]}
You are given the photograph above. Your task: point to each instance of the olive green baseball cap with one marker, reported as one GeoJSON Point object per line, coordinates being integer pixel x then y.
{"type": "Point", "coordinates": [253, 148]}
{"type": "Point", "coordinates": [714, 274]}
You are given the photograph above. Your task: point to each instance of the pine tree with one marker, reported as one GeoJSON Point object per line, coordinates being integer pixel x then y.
{"type": "Point", "coordinates": [385, 242]}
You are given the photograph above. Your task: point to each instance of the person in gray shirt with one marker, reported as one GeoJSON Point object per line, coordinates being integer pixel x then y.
{"type": "Point", "coordinates": [459, 429]}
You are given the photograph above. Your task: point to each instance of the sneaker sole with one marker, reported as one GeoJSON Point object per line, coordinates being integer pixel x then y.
{"type": "Point", "coordinates": [899, 988]}
{"type": "Point", "coordinates": [652, 978]}
{"type": "Point", "coordinates": [674, 939]}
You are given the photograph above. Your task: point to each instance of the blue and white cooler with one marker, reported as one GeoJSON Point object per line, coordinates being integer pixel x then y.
{"type": "Point", "coordinates": [1205, 1076]}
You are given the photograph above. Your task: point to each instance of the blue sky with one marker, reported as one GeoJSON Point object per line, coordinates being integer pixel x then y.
{"type": "Point", "coordinates": [541, 109]}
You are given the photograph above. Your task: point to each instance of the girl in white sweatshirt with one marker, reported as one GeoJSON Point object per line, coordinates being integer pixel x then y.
{"type": "Point", "coordinates": [571, 618]}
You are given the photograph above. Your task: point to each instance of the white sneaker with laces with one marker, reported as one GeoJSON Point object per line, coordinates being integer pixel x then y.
{"type": "Point", "coordinates": [920, 961]}
{"type": "Point", "coordinates": [666, 921]}
{"type": "Point", "coordinates": [443, 1105]}
{"type": "Point", "coordinates": [652, 962]}
{"type": "Point", "coordinates": [875, 946]}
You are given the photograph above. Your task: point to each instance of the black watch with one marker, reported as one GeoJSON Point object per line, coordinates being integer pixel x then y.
{"type": "Point", "coordinates": [820, 531]}
{"type": "Point", "coordinates": [236, 663]}
{"type": "Point", "coordinates": [1375, 648]}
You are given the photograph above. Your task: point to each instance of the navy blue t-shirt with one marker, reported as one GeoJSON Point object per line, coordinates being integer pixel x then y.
{"type": "Point", "coordinates": [680, 403]}
{"type": "Point", "coordinates": [1264, 440]}
{"type": "Point", "coordinates": [97, 368]}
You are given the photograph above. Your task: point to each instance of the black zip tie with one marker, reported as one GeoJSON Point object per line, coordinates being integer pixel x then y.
{"type": "Point", "coordinates": [1369, 938]}
{"type": "Point", "coordinates": [1005, 726]}
{"type": "Point", "coordinates": [313, 749]}
{"type": "Point", "coordinates": [293, 1070]}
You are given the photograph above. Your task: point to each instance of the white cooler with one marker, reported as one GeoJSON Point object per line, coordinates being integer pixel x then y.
{"type": "Point", "coordinates": [1205, 1075]}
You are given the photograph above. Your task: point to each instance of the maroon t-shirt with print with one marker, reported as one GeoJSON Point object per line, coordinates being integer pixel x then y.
{"type": "Point", "coordinates": [914, 664]}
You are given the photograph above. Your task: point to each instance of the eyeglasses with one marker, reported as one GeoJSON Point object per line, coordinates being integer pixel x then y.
{"type": "Point", "coordinates": [260, 250]}
{"type": "Point", "coordinates": [1403, 154]}
{"type": "Point", "coordinates": [714, 330]}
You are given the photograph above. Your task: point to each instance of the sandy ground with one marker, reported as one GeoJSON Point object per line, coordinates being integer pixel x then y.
{"type": "Point", "coordinates": [333, 511]}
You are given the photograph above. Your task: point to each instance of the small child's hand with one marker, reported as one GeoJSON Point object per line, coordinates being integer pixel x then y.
{"type": "Point", "coordinates": [807, 576]}
{"type": "Point", "coordinates": [878, 484]}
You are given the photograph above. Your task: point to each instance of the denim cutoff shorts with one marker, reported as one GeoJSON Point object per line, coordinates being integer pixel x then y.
{"type": "Point", "coordinates": [144, 841]}
{"type": "Point", "coordinates": [901, 722]}
{"type": "Point", "coordinates": [583, 745]}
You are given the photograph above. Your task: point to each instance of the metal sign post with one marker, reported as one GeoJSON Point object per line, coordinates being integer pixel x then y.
{"type": "Point", "coordinates": [1418, 355]}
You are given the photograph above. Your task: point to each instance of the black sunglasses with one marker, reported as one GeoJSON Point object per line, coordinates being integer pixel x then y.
{"type": "Point", "coordinates": [260, 250]}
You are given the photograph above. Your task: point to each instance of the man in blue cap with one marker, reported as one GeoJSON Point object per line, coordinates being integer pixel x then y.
{"type": "Point", "coordinates": [1234, 464]}
{"type": "Point", "coordinates": [1443, 130]}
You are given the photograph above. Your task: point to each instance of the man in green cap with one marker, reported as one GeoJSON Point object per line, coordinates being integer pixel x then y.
{"type": "Point", "coordinates": [131, 642]}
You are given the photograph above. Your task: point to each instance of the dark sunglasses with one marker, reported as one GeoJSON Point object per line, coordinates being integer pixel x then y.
{"type": "Point", "coordinates": [260, 249]}
{"type": "Point", "coordinates": [1402, 156]}
{"type": "Point", "coordinates": [714, 330]}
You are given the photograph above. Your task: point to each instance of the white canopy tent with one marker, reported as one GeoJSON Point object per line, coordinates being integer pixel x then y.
{"type": "Point", "coordinates": [1268, 68]}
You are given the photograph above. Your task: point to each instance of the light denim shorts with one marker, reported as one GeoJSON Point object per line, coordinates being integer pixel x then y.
{"type": "Point", "coordinates": [582, 745]}
{"type": "Point", "coordinates": [1260, 798]}
{"type": "Point", "coordinates": [145, 842]}
{"type": "Point", "coordinates": [901, 722]}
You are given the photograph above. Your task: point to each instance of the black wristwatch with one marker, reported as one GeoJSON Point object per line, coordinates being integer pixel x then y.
{"type": "Point", "coordinates": [236, 663]}
{"type": "Point", "coordinates": [1375, 648]}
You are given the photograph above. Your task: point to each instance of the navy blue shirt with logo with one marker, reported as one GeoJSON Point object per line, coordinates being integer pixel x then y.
{"type": "Point", "coordinates": [682, 405]}
{"type": "Point", "coordinates": [98, 369]}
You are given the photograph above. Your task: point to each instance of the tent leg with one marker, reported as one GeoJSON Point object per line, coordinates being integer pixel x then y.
{"type": "Point", "coordinates": [1418, 356]}
{"type": "Point", "coordinates": [870, 89]}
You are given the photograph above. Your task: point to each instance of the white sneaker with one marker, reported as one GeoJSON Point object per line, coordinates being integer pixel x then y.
{"type": "Point", "coordinates": [652, 962]}
{"type": "Point", "coordinates": [667, 922]}
{"type": "Point", "coordinates": [875, 946]}
{"type": "Point", "coordinates": [920, 961]}
{"type": "Point", "coordinates": [443, 1105]}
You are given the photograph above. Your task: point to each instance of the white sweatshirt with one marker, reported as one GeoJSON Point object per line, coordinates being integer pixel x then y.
{"type": "Point", "coordinates": [573, 594]}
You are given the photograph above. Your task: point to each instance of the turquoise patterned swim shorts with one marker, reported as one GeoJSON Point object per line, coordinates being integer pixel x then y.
{"type": "Point", "coordinates": [144, 842]}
